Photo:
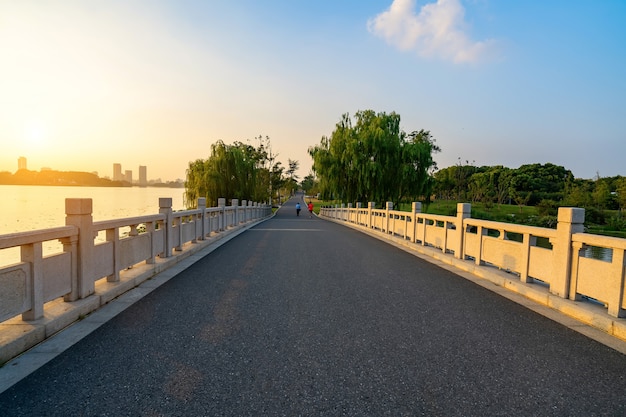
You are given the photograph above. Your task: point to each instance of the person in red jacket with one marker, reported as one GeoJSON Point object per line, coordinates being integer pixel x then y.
{"type": "Point", "coordinates": [310, 207]}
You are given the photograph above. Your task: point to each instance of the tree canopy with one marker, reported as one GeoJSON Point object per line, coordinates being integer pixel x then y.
{"type": "Point", "coordinates": [372, 159]}
{"type": "Point", "coordinates": [239, 171]}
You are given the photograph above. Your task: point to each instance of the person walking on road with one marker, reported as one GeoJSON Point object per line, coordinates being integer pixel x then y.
{"type": "Point", "coordinates": [310, 207]}
{"type": "Point", "coordinates": [297, 209]}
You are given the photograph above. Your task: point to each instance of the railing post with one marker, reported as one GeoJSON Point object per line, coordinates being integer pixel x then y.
{"type": "Point", "coordinates": [235, 204]}
{"type": "Point", "coordinates": [165, 207]}
{"type": "Point", "coordinates": [221, 203]}
{"type": "Point", "coordinates": [616, 284]}
{"type": "Point", "coordinates": [463, 211]}
{"type": "Point", "coordinates": [244, 208]}
{"type": "Point", "coordinates": [78, 213]}
{"type": "Point", "coordinates": [70, 244]}
{"type": "Point", "coordinates": [370, 207]}
{"type": "Point", "coordinates": [113, 236]}
{"type": "Point", "coordinates": [150, 229]}
{"type": "Point", "coordinates": [388, 208]}
{"type": "Point", "coordinates": [33, 255]}
{"type": "Point", "coordinates": [416, 208]}
{"type": "Point", "coordinates": [570, 221]}
{"type": "Point", "coordinates": [202, 207]}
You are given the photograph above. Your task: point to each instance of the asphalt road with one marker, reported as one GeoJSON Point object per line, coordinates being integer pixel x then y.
{"type": "Point", "coordinates": [302, 317]}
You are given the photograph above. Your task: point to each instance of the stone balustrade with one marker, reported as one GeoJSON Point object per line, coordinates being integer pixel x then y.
{"type": "Point", "coordinates": [101, 260]}
{"type": "Point", "coordinates": [557, 259]}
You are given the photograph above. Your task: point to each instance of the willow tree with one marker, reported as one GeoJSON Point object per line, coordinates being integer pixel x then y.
{"type": "Point", "coordinates": [416, 166]}
{"type": "Point", "coordinates": [231, 171]}
{"type": "Point", "coordinates": [374, 160]}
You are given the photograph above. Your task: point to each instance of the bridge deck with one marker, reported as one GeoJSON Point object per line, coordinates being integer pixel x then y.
{"type": "Point", "coordinates": [299, 316]}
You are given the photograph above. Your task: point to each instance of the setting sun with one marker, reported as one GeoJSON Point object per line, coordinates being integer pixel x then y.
{"type": "Point", "coordinates": [35, 134]}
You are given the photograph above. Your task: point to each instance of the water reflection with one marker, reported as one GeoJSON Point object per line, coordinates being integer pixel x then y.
{"type": "Point", "coordinates": [597, 252]}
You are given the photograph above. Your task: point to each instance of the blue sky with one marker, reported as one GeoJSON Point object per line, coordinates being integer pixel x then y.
{"type": "Point", "coordinates": [88, 83]}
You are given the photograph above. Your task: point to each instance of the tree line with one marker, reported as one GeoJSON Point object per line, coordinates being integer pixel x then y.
{"type": "Point", "coordinates": [545, 186]}
{"type": "Point", "coordinates": [368, 157]}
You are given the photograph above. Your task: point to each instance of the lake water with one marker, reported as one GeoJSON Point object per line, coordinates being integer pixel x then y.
{"type": "Point", "coordinates": [31, 207]}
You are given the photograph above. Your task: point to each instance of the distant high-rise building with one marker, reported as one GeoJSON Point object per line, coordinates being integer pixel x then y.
{"type": "Point", "coordinates": [21, 163]}
{"type": "Point", "coordinates": [128, 176]}
{"type": "Point", "coordinates": [117, 172]}
{"type": "Point", "coordinates": [143, 176]}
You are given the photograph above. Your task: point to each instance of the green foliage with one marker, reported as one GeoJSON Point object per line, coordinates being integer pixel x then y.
{"type": "Point", "coordinates": [542, 186]}
{"type": "Point", "coordinates": [374, 160]}
{"type": "Point", "coordinates": [233, 171]}
{"type": "Point", "coordinates": [621, 192]}
{"type": "Point", "coordinates": [309, 185]}
{"type": "Point", "coordinates": [540, 181]}
{"type": "Point", "coordinates": [547, 208]}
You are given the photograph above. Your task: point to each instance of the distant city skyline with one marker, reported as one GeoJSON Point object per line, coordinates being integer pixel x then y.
{"type": "Point", "coordinates": [22, 163]}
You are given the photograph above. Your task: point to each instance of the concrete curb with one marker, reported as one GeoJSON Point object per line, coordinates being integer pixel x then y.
{"type": "Point", "coordinates": [586, 318]}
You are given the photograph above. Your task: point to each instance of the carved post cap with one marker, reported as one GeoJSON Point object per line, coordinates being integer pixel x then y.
{"type": "Point", "coordinates": [78, 206]}
{"type": "Point", "coordinates": [571, 215]}
{"type": "Point", "coordinates": [165, 202]}
{"type": "Point", "coordinates": [464, 208]}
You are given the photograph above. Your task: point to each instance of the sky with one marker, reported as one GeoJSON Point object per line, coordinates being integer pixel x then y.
{"type": "Point", "coordinates": [85, 84]}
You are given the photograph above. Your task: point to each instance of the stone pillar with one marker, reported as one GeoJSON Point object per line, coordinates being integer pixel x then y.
{"type": "Point", "coordinates": [221, 203]}
{"type": "Point", "coordinates": [463, 211]}
{"type": "Point", "coordinates": [570, 220]}
{"type": "Point", "coordinates": [165, 207]}
{"type": "Point", "coordinates": [244, 208]}
{"type": "Point", "coordinates": [78, 212]}
{"type": "Point", "coordinates": [202, 207]}
{"type": "Point", "coordinates": [370, 206]}
{"type": "Point", "coordinates": [388, 208]}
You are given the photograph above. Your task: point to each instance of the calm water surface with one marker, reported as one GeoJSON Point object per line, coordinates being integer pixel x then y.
{"type": "Point", "coordinates": [30, 207]}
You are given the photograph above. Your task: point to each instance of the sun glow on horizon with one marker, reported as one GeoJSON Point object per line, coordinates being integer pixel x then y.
{"type": "Point", "coordinates": [35, 134]}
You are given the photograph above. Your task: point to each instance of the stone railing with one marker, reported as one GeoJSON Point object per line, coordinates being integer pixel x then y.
{"type": "Point", "coordinates": [560, 259]}
{"type": "Point", "coordinates": [101, 260]}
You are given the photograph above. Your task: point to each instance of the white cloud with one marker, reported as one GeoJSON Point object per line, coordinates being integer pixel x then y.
{"type": "Point", "coordinates": [438, 31]}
